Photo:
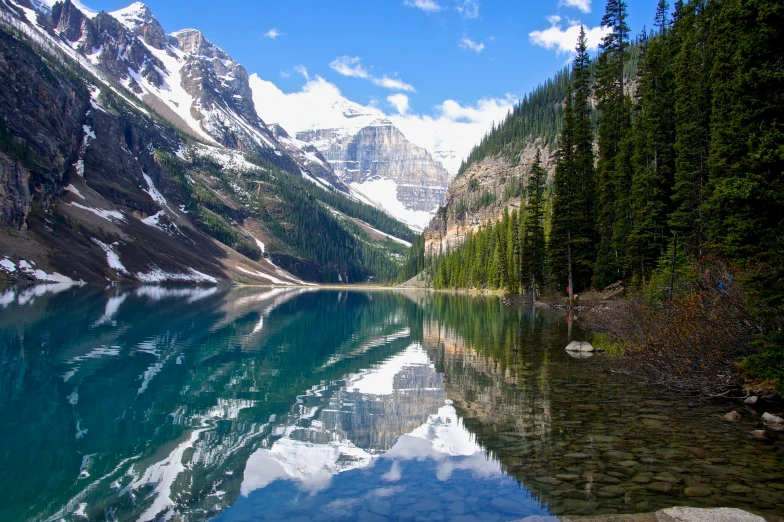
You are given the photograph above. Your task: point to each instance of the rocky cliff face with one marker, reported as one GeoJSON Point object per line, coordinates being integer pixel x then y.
{"type": "Point", "coordinates": [98, 181]}
{"type": "Point", "coordinates": [86, 193]}
{"type": "Point", "coordinates": [183, 76]}
{"type": "Point", "coordinates": [377, 152]}
{"type": "Point", "coordinates": [480, 195]}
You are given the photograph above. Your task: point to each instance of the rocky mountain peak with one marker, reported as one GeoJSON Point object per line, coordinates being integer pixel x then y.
{"type": "Point", "coordinates": [194, 43]}
{"type": "Point", "coordinates": [68, 21]}
{"type": "Point", "coordinates": [278, 131]}
{"type": "Point", "coordinates": [138, 18]}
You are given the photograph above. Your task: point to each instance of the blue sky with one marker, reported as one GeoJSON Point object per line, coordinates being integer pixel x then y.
{"type": "Point", "coordinates": [431, 50]}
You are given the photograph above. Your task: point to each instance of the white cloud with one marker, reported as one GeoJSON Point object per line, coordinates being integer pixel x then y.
{"type": "Point", "coordinates": [399, 102]}
{"type": "Point", "coordinates": [582, 5]}
{"type": "Point", "coordinates": [467, 43]}
{"type": "Point", "coordinates": [348, 66]}
{"type": "Point", "coordinates": [393, 84]}
{"type": "Point", "coordinates": [470, 8]}
{"type": "Point", "coordinates": [429, 6]}
{"type": "Point", "coordinates": [449, 133]}
{"type": "Point", "coordinates": [272, 34]}
{"type": "Point", "coordinates": [565, 40]}
{"type": "Point", "coordinates": [352, 67]}
{"type": "Point", "coordinates": [302, 70]}
{"type": "Point", "coordinates": [285, 74]}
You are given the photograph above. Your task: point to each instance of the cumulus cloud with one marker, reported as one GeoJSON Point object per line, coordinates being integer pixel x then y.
{"type": "Point", "coordinates": [565, 40]}
{"type": "Point", "coordinates": [429, 6]}
{"type": "Point", "coordinates": [399, 102]}
{"type": "Point", "coordinates": [470, 8]}
{"type": "Point", "coordinates": [352, 67]}
{"type": "Point", "coordinates": [393, 84]}
{"type": "Point", "coordinates": [449, 133]}
{"type": "Point", "coordinates": [467, 43]}
{"type": "Point", "coordinates": [348, 66]}
{"type": "Point", "coordinates": [302, 70]}
{"type": "Point", "coordinates": [582, 5]}
{"type": "Point", "coordinates": [272, 34]}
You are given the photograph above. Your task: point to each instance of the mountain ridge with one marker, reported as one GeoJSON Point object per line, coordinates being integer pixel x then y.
{"type": "Point", "coordinates": [141, 199]}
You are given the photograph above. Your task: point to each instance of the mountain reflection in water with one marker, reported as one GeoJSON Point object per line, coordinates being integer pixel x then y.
{"type": "Point", "coordinates": [148, 403]}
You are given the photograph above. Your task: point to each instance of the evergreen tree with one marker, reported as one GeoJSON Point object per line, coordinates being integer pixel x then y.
{"type": "Point", "coordinates": [571, 244]}
{"type": "Point", "coordinates": [566, 205]}
{"type": "Point", "coordinates": [612, 169]}
{"type": "Point", "coordinates": [534, 246]}
{"type": "Point", "coordinates": [692, 121]}
{"type": "Point", "coordinates": [653, 135]}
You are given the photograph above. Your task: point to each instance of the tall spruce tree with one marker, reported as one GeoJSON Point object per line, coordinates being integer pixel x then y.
{"type": "Point", "coordinates": [692, 127]}
{"type": "Point", "coordinates": [614, 122]}
{"type": "Point", "coordinates": [571, 245]}
{"type": "Point", "coordinates": [653, 135]}
{"type": "Point", "coordinates": [534, 246]}
{"type": "Point", "coordinates": [566, 206]}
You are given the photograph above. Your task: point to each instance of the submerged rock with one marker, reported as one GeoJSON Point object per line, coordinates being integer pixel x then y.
{"type": "Point", "coordinates": [733, 416]}
{"type": "Point", "coordinates": [688, 514]}
{"type": "Point", "coordinates": [751, 400]}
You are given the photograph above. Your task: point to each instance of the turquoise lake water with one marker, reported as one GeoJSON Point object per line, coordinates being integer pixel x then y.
{"type": "Point", "coordinates": [146, 403]}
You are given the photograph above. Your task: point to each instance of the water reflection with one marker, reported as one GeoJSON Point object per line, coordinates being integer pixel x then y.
{"type": "Point", "coordinates": [298, 404]}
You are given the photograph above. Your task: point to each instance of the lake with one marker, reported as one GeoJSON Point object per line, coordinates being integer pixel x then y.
{"type": "Point", "coordinates": [137, 403]}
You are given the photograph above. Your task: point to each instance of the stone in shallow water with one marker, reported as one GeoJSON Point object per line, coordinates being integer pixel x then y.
{"type": "Point", "coordinates": [666, 476]}
{"type": "Point", "coordinates": [577, 455]}
{"type": "Point", "coordinates": [687, 514]}
{"type": "Point", "coordinates": [733, 416]}
{"type": "Point", "coordinates": [616, 456]}
{"type": "Point", "coordinates": [698, 491]}
{"type": "Point", "coordinates": [577, 346]}
{"type": "Point", "coordinates": [660, 487]}
{"type": "Point", "coordinates": [668, 453]}
{"type": "Point", "coordinates": [548, 480]}
{"type": "Point", "coordinates": [508, 506]}
{"type": "Point", "coordinates": [751, 400]}
{"type": "Point", "coordinates": [642, 478]}
{"type": "Point", "coordinates": [610, 491]}
{"type": "Point", "coordinates": [739, 488]}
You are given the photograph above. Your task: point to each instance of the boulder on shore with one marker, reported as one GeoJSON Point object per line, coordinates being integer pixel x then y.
{"type": "Point", "coordinates": [580, 346]}
{"type": "Point", "coordinates": [773, 421]}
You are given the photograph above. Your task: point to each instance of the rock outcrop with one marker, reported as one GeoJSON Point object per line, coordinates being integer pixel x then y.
{"type": "Point", "coordinates": [479, 196]}
{"type": "Point", "coordinates": [379, 151]}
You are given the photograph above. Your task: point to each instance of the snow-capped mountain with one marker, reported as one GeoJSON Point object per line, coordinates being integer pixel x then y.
{"type": "Point", "coordinates": [364, 148]}
{"type": "Point", "coordinates": [184, 77]}
{"type": "Point", "coordinates": [147, 148]}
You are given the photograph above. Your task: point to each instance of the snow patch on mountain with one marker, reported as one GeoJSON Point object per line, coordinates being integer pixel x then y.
{"type": "Point", "coordinates": [382, 193]}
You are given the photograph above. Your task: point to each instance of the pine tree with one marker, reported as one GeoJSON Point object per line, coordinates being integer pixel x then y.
{"type": "Point", "coordinates": [534, 247]}
{"type": "Point", "coordinates": [614, 123]}
{"type": "Point", "coordinates": [566, 205]}
{"type": "Point", "coordinates": [692, 120]}
{"type": "Point", "coordinates": [653, 158]}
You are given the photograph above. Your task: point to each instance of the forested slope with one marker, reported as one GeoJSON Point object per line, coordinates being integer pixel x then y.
{"type": "Point", "coordinates": [674, 187]}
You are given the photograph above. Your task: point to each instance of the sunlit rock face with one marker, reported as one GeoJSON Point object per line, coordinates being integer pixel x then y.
{"type": "Point", "coordinates": [378, 153]}
{"type": "Point", "coordinates": [479, 196]}
{"type": "Point", "coordinates": [183, 76]}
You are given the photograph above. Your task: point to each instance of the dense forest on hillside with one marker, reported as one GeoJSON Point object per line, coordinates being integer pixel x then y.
{"type": "Point", "coordinates": [538, 115]}
{"type": "Point", "coordinates": [316, 243]}
{"type": "Point", "coordinates": [687, 175]}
